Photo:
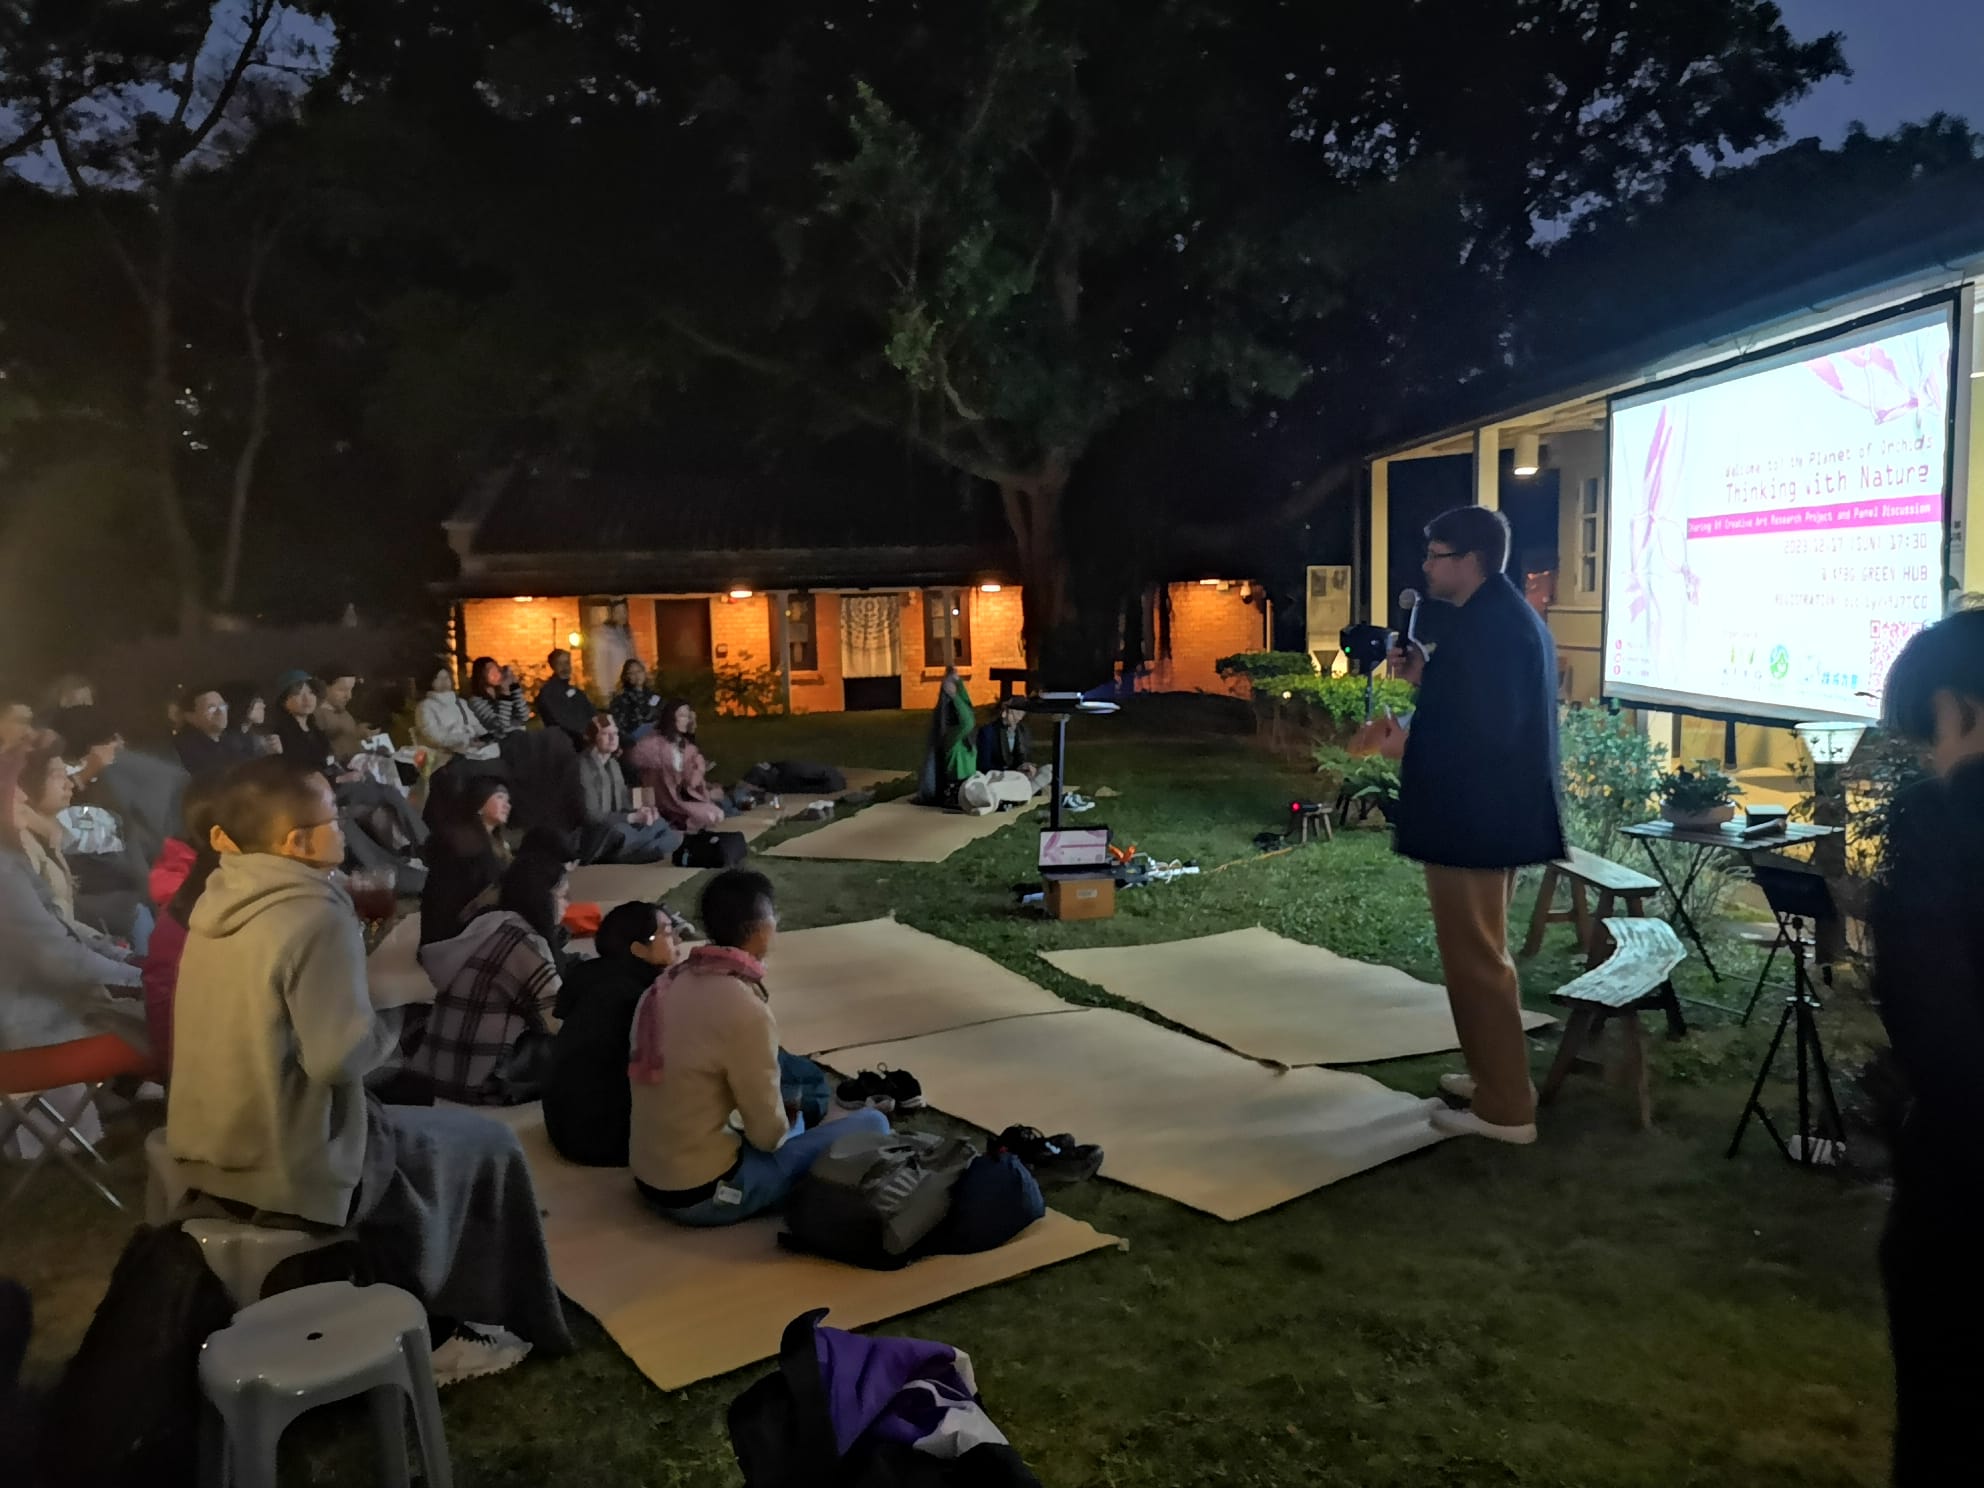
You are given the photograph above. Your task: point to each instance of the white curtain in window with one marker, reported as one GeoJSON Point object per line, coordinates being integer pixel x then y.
{"type": "Point", "coordinates": [870, 635]}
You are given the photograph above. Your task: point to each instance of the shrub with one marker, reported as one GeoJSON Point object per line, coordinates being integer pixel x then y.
{"type": "Point", "coordinates": [1259, 667]}
{"type": "Point", "coordinates": [1611, 776]}
{"type": "Point", "coordinates": [1363, 783]}
{"type": "Point", "coordinates": [732, 690]}
{"type": "Point", "coordinates": [1341, 699]}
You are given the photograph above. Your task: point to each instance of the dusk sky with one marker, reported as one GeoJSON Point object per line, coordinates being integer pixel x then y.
{"type": "Point", "coordinates": [1909, 59]}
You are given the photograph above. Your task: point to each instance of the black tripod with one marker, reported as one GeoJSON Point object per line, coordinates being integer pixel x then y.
{"type": "Point", "coordinates": [1815, 1127]}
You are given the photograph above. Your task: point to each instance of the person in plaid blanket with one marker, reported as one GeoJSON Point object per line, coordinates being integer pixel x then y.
{"type": "Point", "coordinates": [487, 1039]}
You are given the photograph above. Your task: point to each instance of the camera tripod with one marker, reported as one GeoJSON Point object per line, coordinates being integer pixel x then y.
{"type": "Point", "coordinates": [1820, 1135]}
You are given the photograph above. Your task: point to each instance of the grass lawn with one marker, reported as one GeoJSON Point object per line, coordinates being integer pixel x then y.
{"type": "Point", "coordinates": [1606, 1308]}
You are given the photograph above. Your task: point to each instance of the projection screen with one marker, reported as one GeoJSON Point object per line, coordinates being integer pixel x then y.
{"type": "Point", "coordinates": [1778, 528]}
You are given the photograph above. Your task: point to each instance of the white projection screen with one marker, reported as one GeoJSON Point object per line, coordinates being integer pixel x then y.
{"type": "Point", "coordinates": [1777, 528]}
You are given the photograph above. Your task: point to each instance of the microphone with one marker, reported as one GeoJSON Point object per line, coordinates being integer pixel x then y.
{"type": "Point", "coordinates": [1408, 601]}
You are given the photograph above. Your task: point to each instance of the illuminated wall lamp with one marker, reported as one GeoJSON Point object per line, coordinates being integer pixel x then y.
{"type": "Point", "coordinates": [988, 588]}
{"type": "Point", "coordinates": [1209, 583]}
{"type": "Point", "coordinates": [574, 639]}
{"type": "Point", "coordinates": [522, 599]}
{"type": "Point", "coordinates": [1529, 454]}
{"type": "Point", "coordinates": [740, 594]}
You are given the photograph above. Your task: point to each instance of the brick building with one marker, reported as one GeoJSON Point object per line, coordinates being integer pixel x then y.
{"type": "Point", "coordinates": [829, 611]}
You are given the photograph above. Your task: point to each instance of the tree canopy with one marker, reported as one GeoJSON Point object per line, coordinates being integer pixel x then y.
{"type": "Point", "coordinates": [1021, 240]}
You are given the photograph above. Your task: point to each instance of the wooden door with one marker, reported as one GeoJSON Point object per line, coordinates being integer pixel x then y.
{"type": "Point", "coordinates": [682, 635]}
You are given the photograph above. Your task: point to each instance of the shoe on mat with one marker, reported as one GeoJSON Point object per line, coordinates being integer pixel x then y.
{"type": "Point", "coordinates": [1466, 1124]}
{"type": "Point", "coordinates": [1055, 1159]}
{"type": "Point", "coordinates": [477, 1349]}
{"type": "Point", "coordinates": [902, 1088]}
{"type": "Point", "coordinates": [1459, 1086]}
{"type": "Point", "coordinates": [865, 1089]}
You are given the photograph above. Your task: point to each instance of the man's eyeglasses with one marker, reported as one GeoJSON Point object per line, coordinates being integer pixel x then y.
{"type": "Point", "coordinates": [1436, 553]}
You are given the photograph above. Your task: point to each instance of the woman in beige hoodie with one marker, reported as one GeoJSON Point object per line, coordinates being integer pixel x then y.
{"type": "Point", "coordinates": [274, 1034]}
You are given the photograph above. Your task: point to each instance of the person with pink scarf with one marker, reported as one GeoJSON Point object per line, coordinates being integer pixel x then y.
{"type": "Point", "coordinates": [705, 1046]}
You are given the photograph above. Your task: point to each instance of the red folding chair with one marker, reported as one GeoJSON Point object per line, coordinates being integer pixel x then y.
{"type": "Point", "coordinates": [26, 1078]}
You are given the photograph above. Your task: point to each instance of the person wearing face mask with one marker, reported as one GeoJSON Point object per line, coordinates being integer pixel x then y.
{"type": "Point", "coordinates": [268, 1116]}
{"type": "Point", "coordinates": [1928, 929]}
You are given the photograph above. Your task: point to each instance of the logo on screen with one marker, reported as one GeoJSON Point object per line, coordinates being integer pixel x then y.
{"type": "Point", "coordinates": [1780, 663]}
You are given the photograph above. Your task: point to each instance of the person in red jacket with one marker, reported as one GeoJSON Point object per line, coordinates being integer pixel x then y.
{"type": "Point", "coordinates": [177, 878]}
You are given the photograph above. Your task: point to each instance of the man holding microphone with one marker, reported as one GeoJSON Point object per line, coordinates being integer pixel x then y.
{"type": "Point", "coordinates": [1479, 797]}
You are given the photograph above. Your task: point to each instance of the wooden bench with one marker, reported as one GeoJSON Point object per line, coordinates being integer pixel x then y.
{"type": "Point", "coordinates": [1582, 871]}
{"type": "Point", "coordinates": [1636, 976]}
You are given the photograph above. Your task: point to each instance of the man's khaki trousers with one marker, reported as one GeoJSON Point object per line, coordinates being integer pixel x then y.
{"type": "Point", "coordinates": [1471, 922]}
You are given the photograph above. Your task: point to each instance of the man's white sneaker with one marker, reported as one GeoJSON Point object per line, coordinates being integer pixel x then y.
{"type": "Point", "coordinates": [1467, 1124]}
{"type": "Point", "coordinates": [1459, 1086]}
{"type": "Point", "coordinates": [475, 1350]}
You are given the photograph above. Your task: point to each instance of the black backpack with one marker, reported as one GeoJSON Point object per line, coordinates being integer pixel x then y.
{"type": "Point", "coordinates": [711, 850]}
{"type": "Point", "coordinates": [127, 1408]}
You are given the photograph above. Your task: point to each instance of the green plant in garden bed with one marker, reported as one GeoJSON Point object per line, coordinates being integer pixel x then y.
{"type": "Point", "coordinates": [1341, 699]}
{"type": "Point", "coordinates": [1258, 667]}
{"type": "Point", "coordinates": [1363, 783]}
{"type": "Point", "coordinates": [1611, 776]}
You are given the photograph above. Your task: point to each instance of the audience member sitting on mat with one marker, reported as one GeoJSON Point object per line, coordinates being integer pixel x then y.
{"type": "Point", "coordinates": [178, 879]}
{"type": "Point", "coordinates": [487, 1040]}
{"type": "Point", "coordinates": [705, 1045]}
{"type": "Point", "coordinates": [268, 1112]}
{"type": "Point", "coordinates": [466, 856]}
{"type": "Point", "coordinates": [586, 1101]}
{"type": "Point", "coordinates": [615, 830]}
{"type": "Point", "coordinates": [1005, 746]}
{"type": "Point", "coordinates": [950, 757]}
{"type": "Point", "coordinates": [678, 773]}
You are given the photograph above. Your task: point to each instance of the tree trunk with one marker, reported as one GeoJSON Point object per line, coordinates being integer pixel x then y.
{"type": "Point", "coordinates": [258, 428]}
{"type": "Point", "coordinates": [1033, 512]}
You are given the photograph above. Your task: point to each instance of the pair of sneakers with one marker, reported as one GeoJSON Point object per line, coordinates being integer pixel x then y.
{"type": "Point", "coordinates": [1056, 1159]}
{"type": "Point", "coordinates": [1076, 802]}
{"type": "Point", "coordinates": [1454, 1122]}
{"type": "Point", "coordinates": [883, 1090]}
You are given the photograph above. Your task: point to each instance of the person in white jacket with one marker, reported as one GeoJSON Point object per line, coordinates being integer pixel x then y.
{"type": "Point", "coordinates": [269, 1116]}
{"type": "Point", "coordinates": [443, 725]}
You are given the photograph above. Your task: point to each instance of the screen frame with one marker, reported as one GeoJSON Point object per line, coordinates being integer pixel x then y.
{"type": "Point", "coordinates": [1689, 705]}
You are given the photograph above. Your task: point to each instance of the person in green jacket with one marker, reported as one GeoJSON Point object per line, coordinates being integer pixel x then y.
{"type": "Point", "coordinates": [951, 756]}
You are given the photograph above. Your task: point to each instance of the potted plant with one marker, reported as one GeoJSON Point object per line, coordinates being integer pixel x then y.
{"type": "Point", "coordinates": [1697, 799]}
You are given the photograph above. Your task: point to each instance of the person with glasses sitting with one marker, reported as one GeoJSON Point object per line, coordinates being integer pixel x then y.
{"type": "Point", "coordinates": [1479, 797]}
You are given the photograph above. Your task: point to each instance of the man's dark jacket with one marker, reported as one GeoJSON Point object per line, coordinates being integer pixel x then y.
{"type": "Point", "coordinates": [563, 706]}
{"type": "Point", "coordinates": [1480, 786]}
{"type": "Point", "coordinates": [994, 751]}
